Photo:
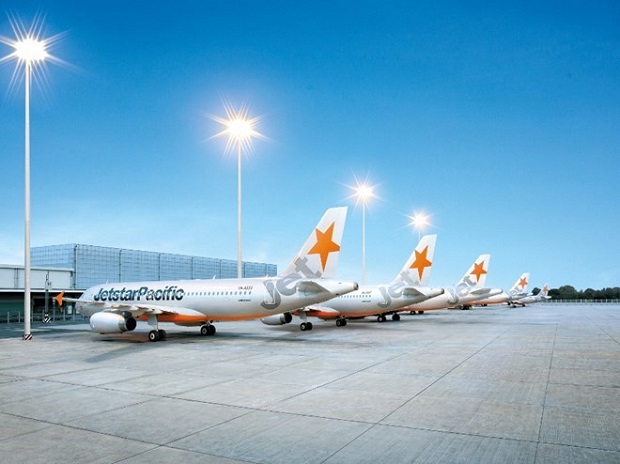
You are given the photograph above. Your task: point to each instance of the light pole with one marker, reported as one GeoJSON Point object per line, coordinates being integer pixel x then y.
{"type": "Point", "coordinates": [240, 130]}
{"type": "Point", "coordinates": [363, 193]}
{"type": "Point", "coordinates": [29, 51]}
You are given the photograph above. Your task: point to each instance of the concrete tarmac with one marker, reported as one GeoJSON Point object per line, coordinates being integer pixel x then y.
{"type": "Point", "coordinates": [539, 384]}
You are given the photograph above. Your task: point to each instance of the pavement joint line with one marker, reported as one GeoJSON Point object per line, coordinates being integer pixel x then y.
{"type": "Point", "coordinates": [605, 332]}
{"type": "Point", "coordinates": [451, 370]}
{"type": "Point", "coordinates": [542, 415]}
{"type": "Point", "coordinates": [374, 424]}
{"type": "Point", "coordinates": [511, 336]}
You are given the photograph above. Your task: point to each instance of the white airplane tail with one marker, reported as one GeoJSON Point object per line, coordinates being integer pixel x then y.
{"type": "Point", "coordinates": [319, 255]}
{"type": "Point", "coordinates": [521, 284]}
{"type": "Point", "coordinates": [417, 269]}
{"type": "Point", "coordinates": [545, 291]}
{"type": "Point", "coordinates": [476, 276]}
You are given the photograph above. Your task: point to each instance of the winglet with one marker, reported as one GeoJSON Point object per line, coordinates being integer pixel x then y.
{"type": "Point", "coordinates": [417, 269]}
{"type": "Point", "coordinates": [59, 298]}
{"type": "Point", "coordinates": [476, 275]}
{"type": "Point", "coordinates": [319, 255]}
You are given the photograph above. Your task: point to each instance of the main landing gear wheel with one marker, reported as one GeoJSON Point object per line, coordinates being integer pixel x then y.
{"type": "Point", "coordinates": [162, 334]}
{"type": "Point", "coordinates": [154, 336]}
{"type": "Point", "coordinates": [381, 318]}
{"type": "Point", "coordinates": [207, 330]}
{"type": "Point", "coordinates": [305, 326]}
{"type": "Point", "coordinates": [341, 322]}
{"type": "Point", "coordinates": [396, 317]}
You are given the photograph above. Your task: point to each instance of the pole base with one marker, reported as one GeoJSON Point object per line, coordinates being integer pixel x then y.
{"type": "Point", "coordinates": [27, 337]}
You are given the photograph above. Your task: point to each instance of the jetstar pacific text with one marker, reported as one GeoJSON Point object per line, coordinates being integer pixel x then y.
{"type": "Point", "coordinates": [167, 293]}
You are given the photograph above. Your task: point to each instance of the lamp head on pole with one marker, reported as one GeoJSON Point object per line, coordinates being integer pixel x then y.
{"type": "Point", "coordinates": [239, 128]}
{"type": "Point", "coordinates": [30, 50]}
{"type": "Point", "coordinates": [363, 192]}
{"type": "Point", "coordinates": [420, 221]}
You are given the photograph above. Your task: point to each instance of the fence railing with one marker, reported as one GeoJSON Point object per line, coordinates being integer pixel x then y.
{"type": "Point", "coordinates": [18, 317]}
{"type": "Point", "coordinates": [586, 301]}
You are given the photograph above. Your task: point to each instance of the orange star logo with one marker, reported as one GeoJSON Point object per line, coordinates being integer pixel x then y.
{"type": "Point", "coordinates": [324, 245]}
{"type": "Point", "coordinates": [478, 270]}
{"type": "Point", "coordinates": [421, 262]}
{"type": "Point", "coordinates": [523, 282]}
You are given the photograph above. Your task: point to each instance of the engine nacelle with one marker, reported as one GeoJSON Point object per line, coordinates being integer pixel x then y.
{"type": "Point", "coordinates": [277, 319]}
{"type": "Point", "coordinates": [105, 323]}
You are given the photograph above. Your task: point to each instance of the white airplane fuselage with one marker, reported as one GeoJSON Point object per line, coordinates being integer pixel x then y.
{"type": "Point", "coordinates": [531, 299]}
{"type": "Point", "coordinates": [198, 301]}
{"type": "Point", "coordinates": [371, 300]}
{"type": "Point", "coordinates": [496, 299]}
{"type": "Point", "coordinates": [503, 297]}
{"type": "Point", "coordinates": [452, 296]}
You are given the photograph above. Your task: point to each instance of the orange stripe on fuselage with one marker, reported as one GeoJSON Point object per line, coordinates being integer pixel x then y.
{"type": "Point", "coordinates": [177, 318]}
{"type": "Point", "coordinates": [197, 319]}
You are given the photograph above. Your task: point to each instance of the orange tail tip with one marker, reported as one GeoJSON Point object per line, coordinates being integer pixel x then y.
{"type": "Point", "coordinates": [58, 298]}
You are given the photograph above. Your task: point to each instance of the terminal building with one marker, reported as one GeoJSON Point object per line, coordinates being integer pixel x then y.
{"type": "Point", "coordinates": [72, 268]}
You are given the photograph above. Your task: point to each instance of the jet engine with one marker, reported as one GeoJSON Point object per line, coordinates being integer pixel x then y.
{"type": "Point", "coordinates": [105, 322]}
{"type": "Point", "coordinates": [277, 319]}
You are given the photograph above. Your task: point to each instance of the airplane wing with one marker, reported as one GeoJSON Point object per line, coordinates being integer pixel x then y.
{"type": "Point", "coordinates": [139, 310]}
{"type": "Point", "coordinates": [318, 311]}
{"type": "Point", "coordinates": [61, 297]}
{"type": "Point", "coordinates": [322, 312]}
{"type": "Point", "coordinates": [321, 308]}
{"type": "Point", "coordinates": [136, 310]}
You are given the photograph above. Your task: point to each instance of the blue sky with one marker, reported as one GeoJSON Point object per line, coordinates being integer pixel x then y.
{"type": "Point", "coordinates": [501, 120]}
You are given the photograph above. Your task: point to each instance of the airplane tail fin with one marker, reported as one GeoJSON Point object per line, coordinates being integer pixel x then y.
{"type": "Point", "coordinates": [59, 298]}
{"type": "Point", "coordinates": [521, 284]}
{"type": "Point", "coordinates": [417, 269]}
{"type": "Point", "coordinates": [319, 255]}
{"type": "Point", "coordinates": [545, 291]}
{"type": "Point", "coordinates": [476, 275]}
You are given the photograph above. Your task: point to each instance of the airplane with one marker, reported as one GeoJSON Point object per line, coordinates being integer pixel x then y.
{"type": "Point", "coordinates": [408, 287]}
{"type": "Point", "coordinates": [115, 308]}
{"type": "Point", "coordinates": [543, 295]}
{"type": "Point", "coordinates": [469, 289]}
{"type": "Point", "coordinates": [518, 290]}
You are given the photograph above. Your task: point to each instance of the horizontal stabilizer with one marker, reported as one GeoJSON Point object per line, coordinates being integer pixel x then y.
{"type": "Point", "coordinates": [481, 291]}
{"type": "Point", "coordinates": [412, 292]}
{"type": "Point", "coordinates": [428, 292]}
{"type": "Point", "coordinates": [310, 286]}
